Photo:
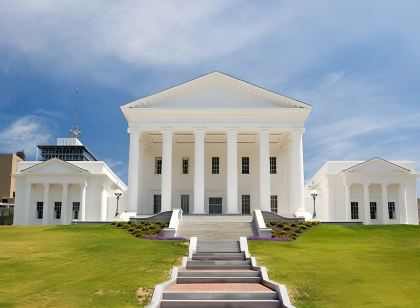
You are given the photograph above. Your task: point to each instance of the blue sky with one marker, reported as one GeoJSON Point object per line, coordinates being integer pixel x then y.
{"type": "Point", "coordinates": [356, 62]}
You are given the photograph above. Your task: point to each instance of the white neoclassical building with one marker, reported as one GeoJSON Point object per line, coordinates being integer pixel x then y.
{"type": "Point", "coordinates": [59, 192]}
{"type": "Point", "coordinates": [216, 144]}
{"type": "Point", "coordinates": [372, 192]}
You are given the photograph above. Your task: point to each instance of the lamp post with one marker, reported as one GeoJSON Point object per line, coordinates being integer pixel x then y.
{"type": "Point", "coordinates": [118, 194]}
{"type": "Point", "coordinates": [314, 194]}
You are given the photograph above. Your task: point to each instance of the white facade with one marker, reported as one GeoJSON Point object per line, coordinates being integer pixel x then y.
{"type": "Point", "coordinates": [57, 192]}
{"type": "Point", "coordinates": [372, 192]}
{"type": "Point", "coordinates": [216, 118]}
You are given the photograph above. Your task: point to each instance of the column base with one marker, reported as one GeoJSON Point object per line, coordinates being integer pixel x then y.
{"type": "Point", "coordinates": [301, 213]}
{"type": "Point", "coordinates": [199, 213]}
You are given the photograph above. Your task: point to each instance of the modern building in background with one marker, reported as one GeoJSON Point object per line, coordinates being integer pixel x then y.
{"type": "Point", "coordinates": [8, 165]}
{"type": "Point", "coordinates": [67, 149]}
{"type": "Point", "coordinates": [55, 191]}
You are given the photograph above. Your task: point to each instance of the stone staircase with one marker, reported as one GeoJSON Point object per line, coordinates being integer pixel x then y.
{"type": "Point", "coordinates": [219, 274]}
{"type": "Point", "coordinates": [209, 227]}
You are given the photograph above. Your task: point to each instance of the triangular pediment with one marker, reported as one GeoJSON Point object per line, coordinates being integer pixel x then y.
{"type": "Point", "coordinates": [377, 166]}
{"type": "Point", "coordinates": [54, 166]}
{"type": "Point", "coordinates": [216, 90]}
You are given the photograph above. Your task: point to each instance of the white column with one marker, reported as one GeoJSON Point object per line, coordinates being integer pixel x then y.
{"type": "Point", "coordinates": [347, 201]}
{"type": "Point", "coordinates": [403, 204]}
{"type": "Point", "coordinates": [296, 177]}
{"type": "Point", "coordinates": [133, 170]}
{"type": "Point", "coordinates": [166, 169]}
{"type": "Point", "coordinates": [232, 172]}
{"type": "Point", "coordinates": [46, 204]}
{"type": "Point", "coordinates": [264, 146]}
{"type": "Point", "coordinates": [104, 204]}
{"type": "Point", "coordinates": [64, 210]}
{"type": "Point", "coordinates": [199, 134]}
{"type": "Point", "coordinates": [385, 214]}
{"type": "Point", "coordinates": [83, 201]}
{"type": "Point", "coordinates": [366, 202]}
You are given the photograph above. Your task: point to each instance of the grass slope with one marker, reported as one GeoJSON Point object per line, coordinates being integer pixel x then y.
{"type": "Point", "coordinates": [79, 266]}
{"type": "Point", "coordinates": [353, 266]}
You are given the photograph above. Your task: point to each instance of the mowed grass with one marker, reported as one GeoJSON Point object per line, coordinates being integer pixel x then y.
{"type": "Point", "coordinates": [353, 266]}
{"type": "Point", "coordinates": [80, 266]}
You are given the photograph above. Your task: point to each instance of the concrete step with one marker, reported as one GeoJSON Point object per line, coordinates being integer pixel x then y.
{"type": "Point", "coordinates": [218, 279]}
{"type": "Point", "coordinates": [222, 262]}
{"type": "Point", "coordinates": [220, 303]}
{"type": "Point", "coordinates": [218, 266]}
{"type": "Point", "coordinates": [216, 273]}
{"type": "Point", "coordinates": [218, 256]}
{"type": "Point", "coordinates": [259, 295]}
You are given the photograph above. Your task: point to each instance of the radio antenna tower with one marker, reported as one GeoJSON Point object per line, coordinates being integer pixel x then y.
{"type": "Point", "coordinates": [74, 131]}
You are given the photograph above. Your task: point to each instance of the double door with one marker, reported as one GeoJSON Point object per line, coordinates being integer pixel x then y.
{"type": "Point", "coordinates": [215, 205]}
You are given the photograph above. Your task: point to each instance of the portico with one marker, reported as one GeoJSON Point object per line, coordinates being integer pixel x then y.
{"type": "Point", "coordinates": [212, 140]}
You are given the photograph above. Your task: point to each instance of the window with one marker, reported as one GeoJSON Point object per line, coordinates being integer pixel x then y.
{"type": "Point", "coordinates": [245, 165]}
{"type": "Point", "coordinates": [185, 166]}
{"type": "Point", "coordinates": [76, 209]}
{"type": "Point", "coordinates": [391, 210]}
{"type": "Point", "coordinates": [372, 210]}
{"type": "Point", "coordinates": [354, 206]}
{"type": "Point", "coordinates": [185, 204]}
{"type": "Point", "coordinates": [14, 194]}
{"type": "Point", "coordinates": [215, 165]}
{"type": "Point", "coordinates": [5, 200]}
{"type": "Point", "coordinates": [57, 210]}
{"type": "Point", "coordinates": [39, 210]}
{"type": "Point", "coordinates": [157, 199]}
{"type": "Point", "coordinates": [246, 204]}
{"type": "Point", "coordinates": [273, 203]}
{"type": "Point", "coordinates": [158, 165]}
{"type": "Point", "coordinates": [273, 165]}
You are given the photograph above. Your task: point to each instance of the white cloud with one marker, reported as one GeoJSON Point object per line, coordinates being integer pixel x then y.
{"type": "Point", "coordinates": [24, 134]}
{"type": "Point", "coordinates": [137, 32]}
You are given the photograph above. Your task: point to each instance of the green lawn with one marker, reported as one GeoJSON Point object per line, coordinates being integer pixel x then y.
{"type": "Point", "coordinates": [80, 266]}
{"type": "Point", "coordinates": [338, 266]}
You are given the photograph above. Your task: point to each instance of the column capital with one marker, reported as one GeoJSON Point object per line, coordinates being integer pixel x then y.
{"type": "Point", "coordinates": [167, 130]}
{"type": "Point", "coordinates": [199, 130]}
{"type": "Point", "coordinates": [231, 131]}
{"type": "Point", "coordinates": [384, 185]}
{"type": "Point", "coordinates": [134, 130]}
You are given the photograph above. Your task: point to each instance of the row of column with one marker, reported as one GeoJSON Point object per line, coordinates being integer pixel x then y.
{"type": "Point", "coordinates": [366, 200]}
{"type": "Point", "coordinates": [296, 177]}
{"type": "Point", "coordinates": [64, 203]}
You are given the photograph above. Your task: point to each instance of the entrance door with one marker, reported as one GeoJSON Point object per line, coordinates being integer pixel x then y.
{"type": "Point", "coordinates": [215, 205]}
{"type": "Point", "coordinates": [185, 204]}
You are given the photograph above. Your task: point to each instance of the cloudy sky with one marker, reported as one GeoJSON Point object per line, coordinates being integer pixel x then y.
{"type": "Point", "coordinates": [356, 62]}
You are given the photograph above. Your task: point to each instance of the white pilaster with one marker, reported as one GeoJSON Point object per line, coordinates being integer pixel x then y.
{"type": "Point", "coordinates": [385, 214]}
{"type": "Point", "coordinates": [366, 202]}
{"type": "Point", "coordinates": [64, 210]}
{"type": "Point", "coordinates": [347, 201]}
{"type": "Point", "coordinates": [104, 204]}
{"type": "Point", "coordinates": [232, 172]}
{"type": "Point", "coordinates": [403, 204]}
{"type": "Point", "coordinates": [83, 201]}
{"type": "Point", "coordinates": [264, 146]}
{"type": "Point", "coordinates": [29, 210]}
{"type": "Point", "coordinates": [46, 204]}
{"type": "Point", "coordinates": [133, 170]}
{"type": "Point", "coordinates": [296, 177]}
{"type": "Point", "coordinates": [166, 169]}
{"type": "Point", "coordinates": [199, 171]}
